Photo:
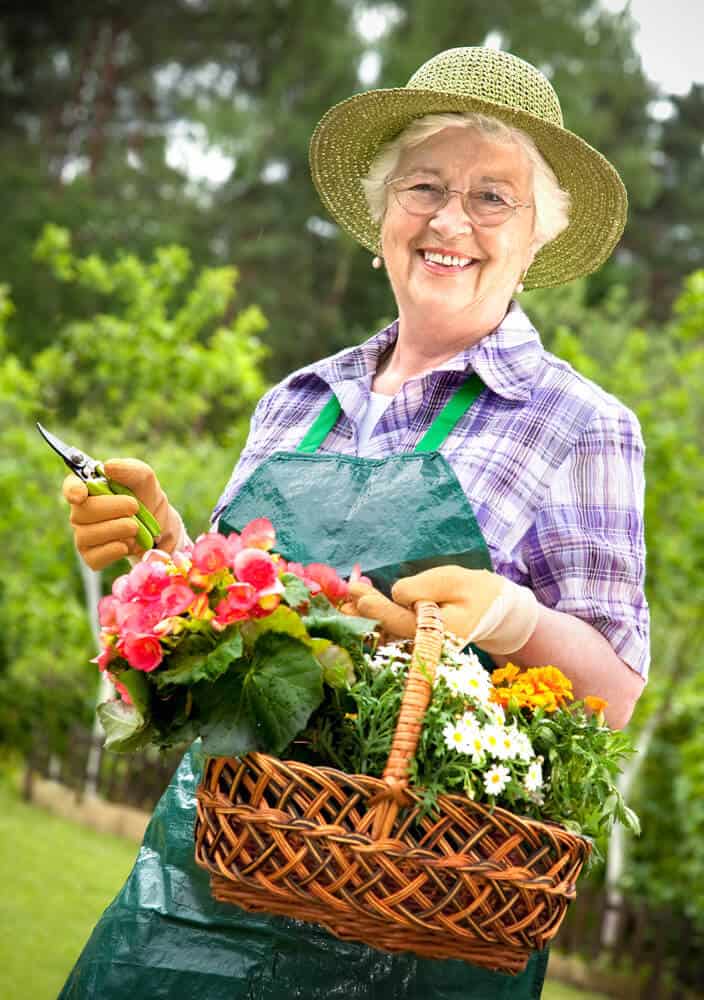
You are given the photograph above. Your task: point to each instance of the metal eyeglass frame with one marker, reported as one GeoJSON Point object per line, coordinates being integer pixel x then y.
{"type": "Point", "coordinates": [513, 205]}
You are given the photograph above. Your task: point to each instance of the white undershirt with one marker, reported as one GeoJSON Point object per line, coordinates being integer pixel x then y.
{"type": "Point", "coordinates": [378, 402]}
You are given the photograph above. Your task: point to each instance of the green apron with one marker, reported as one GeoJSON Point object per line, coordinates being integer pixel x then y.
{"type": "Point", "coordinates": [164, 936]}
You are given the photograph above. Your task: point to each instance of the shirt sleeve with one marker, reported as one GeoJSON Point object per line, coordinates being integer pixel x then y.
{"type": "Point", "coordinates": [586, 549]}
{"type": "Point", "coordinates": [249, 457]}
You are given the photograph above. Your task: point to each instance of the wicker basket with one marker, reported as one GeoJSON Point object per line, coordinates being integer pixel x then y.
{"type": "Point", "coordinates": [353, 853]}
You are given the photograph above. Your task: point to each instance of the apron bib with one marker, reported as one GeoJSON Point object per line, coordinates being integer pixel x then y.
{"type": "Point", "coordinates": [164, 937]}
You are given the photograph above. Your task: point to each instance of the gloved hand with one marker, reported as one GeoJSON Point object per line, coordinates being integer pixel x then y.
{"type": "Point", "coordinates": [104, 529]}
{"type": "Point", "coordinates": [476, 605]}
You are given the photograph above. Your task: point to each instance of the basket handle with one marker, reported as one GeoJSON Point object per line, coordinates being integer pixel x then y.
{"type": "Point", "coordinates": [427, 648]}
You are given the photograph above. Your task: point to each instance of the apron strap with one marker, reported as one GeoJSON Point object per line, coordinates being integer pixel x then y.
{"type": "Point", "coordinates": [451, 413]}
{"type": "Point", "coordinates": [323, 424]}
{"type": "Point", "coordinates": [444, 423]}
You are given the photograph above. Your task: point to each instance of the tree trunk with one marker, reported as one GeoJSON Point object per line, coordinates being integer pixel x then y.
{"type": "Point", "coordinates": [93, 590]}
{"type": "Point", "coordinates": [617, 854]}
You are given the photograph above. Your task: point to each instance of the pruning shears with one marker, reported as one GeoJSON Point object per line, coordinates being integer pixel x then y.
{"type": "Point", "coordinates": [92, 473]}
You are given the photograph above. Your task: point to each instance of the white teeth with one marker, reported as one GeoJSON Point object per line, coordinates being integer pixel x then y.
{"type": "Point", "coordinates": [446, 259]}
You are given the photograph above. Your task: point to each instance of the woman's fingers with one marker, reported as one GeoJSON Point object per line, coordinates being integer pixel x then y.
{"type": "Point", "coordinates": [103, 508]}
{"type": "Point", "coordinates": [104, 526]}
{"type": "Point", "coordinates": [100, 556]}
{"type": "Point", "coordinates": [399, 621]}
{"type": "Point", "coordinates": [74, 489]}
{"type": "Point", "coordinates": [119, 529]}
{"type": "Point", "coordinates": [446, 584]}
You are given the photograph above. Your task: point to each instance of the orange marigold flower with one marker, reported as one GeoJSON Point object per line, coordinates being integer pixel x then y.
{"type": "Point", "coordinates": [507, 673]}
{"type": "Point", "coordinates": [595, 704]}
{"type": "Point", "coordinates": [550, 679]}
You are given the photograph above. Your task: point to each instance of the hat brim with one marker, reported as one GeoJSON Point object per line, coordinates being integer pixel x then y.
{"type": "Point", "coordinates": [349, 135]}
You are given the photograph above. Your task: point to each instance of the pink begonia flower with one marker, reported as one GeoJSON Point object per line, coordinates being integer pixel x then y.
{"type": "Point", "coordinates": [333, 586]}
{"type": "Point", "coordinates": [107, 655]}
{"type": "Point", "coordinates": [107, 611]}
{"type": "Point", "coordinates": [259, 534]}
{"type": "Point", "coordinates": [256, 567]}
{"type": "Point", "coordinates": [203, 581]}
{"type": "Point", "coordinates": [176, 598]}
{"type": "Point", "coordinates": [156, 555]}
{"type": "Point", "coordinates": [298, 569]}
{"type": "Point", "coordinates": [121, 588]}
{"type": "Point", "coordinates": [138, 617]}
{"type": "Point", "coordinates": [148, 579]}
{"type": "Point", "coordinates": [210, 553]}
{"type": "Point", "coordinates": [241, 595]}
{"type": "Point", "coordinates": [143, 652]}
{"type": "Point", "coordinates": [181, 559]}
{"type": "Point", "coordinates": [235, 607]}
{"type": "Point", "coordinates": [169, 626]}
{"type": "Point", "coordinates": [201, 608]}
{"type": "Point", "coordinates": [356, 575]}
{"type": "Point", "coordinates": [234, 544]}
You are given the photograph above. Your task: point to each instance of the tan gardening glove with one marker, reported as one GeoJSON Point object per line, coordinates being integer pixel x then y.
{"type": "Point", "coordinates": [104, 527]}
{"type": "Point", "coordinates": [476, 605]}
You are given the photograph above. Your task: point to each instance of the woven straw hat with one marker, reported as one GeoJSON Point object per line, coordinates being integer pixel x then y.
{"type": "Point", "coordinates": [493, 83]}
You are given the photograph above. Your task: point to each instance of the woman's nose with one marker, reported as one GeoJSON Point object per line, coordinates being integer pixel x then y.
{"type": "Point", "coordinates": [452, 217]}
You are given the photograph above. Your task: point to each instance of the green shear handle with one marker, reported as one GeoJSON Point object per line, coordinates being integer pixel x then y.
{"type": "Point", "coordinates": [92, 473]}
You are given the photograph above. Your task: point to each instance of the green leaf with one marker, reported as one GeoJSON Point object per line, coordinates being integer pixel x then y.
{"type": "Point", "coordinates": [125, 727]}
{"type": "Point", "coordinates": [338, 668]}
{"type": "Point", "coordinates": [296, 593]}
{"type": "Point", "coordinates": [139, 689]}
{"type": "Point", "coordinates": [191, 668]}
{"type": "Point", "coordinates": [284, 621]}
{"type": "Point", "coordinates": [325, 620]}
{"type": "Point", "coordinates": [631, 821]}
{"type": "Point", "coordinates": [265, 707]}
{"type": "Point", "coordinates": [282, 689]}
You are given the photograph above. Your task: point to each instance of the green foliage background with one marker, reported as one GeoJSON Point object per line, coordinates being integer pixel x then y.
{"type": "Point", "coordinates": [144, 308]}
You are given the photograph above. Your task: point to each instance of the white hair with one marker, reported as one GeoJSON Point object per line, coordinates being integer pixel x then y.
{"type": "Point", "coordinates": [551, 203]}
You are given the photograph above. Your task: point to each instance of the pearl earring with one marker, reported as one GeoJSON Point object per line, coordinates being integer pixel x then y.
{"type": "Point", "coordinates": [377, 262]}
{"type": "Point", "coordinates": [519, 287]}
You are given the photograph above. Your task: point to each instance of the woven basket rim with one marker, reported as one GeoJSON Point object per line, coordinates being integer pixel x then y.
{"type": "Point", "coordinates": [378, 785]}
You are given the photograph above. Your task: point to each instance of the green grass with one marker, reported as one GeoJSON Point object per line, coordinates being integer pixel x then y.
{"type": "Point", "coordinates": [558, 991]}
{"type": "Point", "coordinates": [58, 878]}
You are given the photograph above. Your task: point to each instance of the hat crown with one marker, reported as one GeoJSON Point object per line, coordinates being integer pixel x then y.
{"type": "Point", "coordinates": [490, 75]}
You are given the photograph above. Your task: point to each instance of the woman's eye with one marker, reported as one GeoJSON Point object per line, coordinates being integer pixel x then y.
{"type": "Point", "coordinates": [491, 197]}
{"type": "Point", "coordinates": [424, 187]}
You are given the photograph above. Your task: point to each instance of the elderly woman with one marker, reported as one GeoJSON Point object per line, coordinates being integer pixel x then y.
{"type": "Point", "coordinates": [450, 455]}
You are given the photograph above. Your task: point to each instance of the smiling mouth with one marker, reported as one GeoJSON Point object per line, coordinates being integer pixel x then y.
{"type": "Point", "coordinates": [446, 260]}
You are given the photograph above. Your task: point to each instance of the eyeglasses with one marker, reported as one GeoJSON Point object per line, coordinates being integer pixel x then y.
{"type": "Point", "coordinates": [484, 206]}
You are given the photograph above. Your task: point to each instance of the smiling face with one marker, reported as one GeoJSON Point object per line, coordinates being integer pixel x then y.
{"type": "Point", "coordinates": [452, 278]}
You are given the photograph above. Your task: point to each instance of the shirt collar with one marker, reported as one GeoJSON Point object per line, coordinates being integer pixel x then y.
{"type": "Point", "coordinates": [506, 360]}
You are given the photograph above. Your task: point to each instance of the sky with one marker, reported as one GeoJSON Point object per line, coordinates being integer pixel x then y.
{"type": "Point", "coordinates": [669, 40]}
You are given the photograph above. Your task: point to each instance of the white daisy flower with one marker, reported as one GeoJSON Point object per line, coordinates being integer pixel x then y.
{"type": "Point", "coordinates": [525, 747]}
{"type": "Point", "coordinates": [475, 683]}
{"type": "Point", "coordinates": [495, 712]}
{"type": "Point", "coordinates": [496, 779]}
{"type": "Point", "coordinates": [492, 737]}
{"type": "Point", "coordinates": [508, 744]}
{"type": "Point", "coordinates": [455, 736]}
{"type": "Point", "coordinates": [534, 777]}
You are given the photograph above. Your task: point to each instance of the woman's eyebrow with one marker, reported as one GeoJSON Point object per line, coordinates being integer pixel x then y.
{"type": "Point", "coordinates": [486, 179]}
{"type": "Point", "coordinates": [425, 170]}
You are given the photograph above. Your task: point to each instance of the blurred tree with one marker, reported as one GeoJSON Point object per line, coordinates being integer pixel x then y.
{"type": "Point", "coordinates": [102, 114]}
{"type": "Point", "coordinates": [137, 129]}
{"type": "Point", "coordinates": [659, 372]}
{"type": "Point", "coordinates": [673, 228]}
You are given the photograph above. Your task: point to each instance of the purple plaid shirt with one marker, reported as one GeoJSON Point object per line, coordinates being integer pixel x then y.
{"type": "Point", "coordinates": [551, 464]}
